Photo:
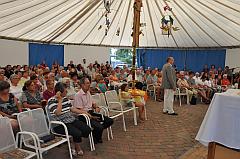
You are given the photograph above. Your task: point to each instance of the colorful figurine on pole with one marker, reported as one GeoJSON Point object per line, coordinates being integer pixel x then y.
{"type": "Point", "coordinates": [167, 22]}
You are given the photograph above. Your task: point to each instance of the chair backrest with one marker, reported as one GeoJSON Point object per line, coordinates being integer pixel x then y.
{"type": "Point", "coordinates": [33, 121]}
{"type": "Point", "coordinates": [7, 140]}
{"type": "Point", "coordinates": [96, 99]}
{"type": "Point", "coordinates": [111, 96]}
{"type": "Point", "coordinates": [99, 99]}
{"type": "Point", "coordinates": [103, 99]}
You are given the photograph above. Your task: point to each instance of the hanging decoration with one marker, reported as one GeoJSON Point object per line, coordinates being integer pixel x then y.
{"type": "Point", "coordinates": [107, 4]}
{"type": "Point", "coordinates": [107, 8]}
{"type": "Point", "coordinates": [118, 32]}
{"type": "Point", "coordinates": [167, 22]}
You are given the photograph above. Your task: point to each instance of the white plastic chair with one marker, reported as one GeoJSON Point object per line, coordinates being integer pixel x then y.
{"type": "Point", "coordinates": [152, 89]}
{"type": "Point", "coordinates": [179, 94]}
{"type": "Point", "coordinates": [34, 121]}
{"type": "Point", "coordinates": [142, 101]}
{"type": "Point", "coordinates": [102, 104]}
{"type": "Point", "coordinates": [8, 145]}
{"type": "Point", "coordinates": [114, 105]}
{"type": "Point", "coordinates": [112, 114]}
{"type": "Point", "coordinates": [91, 141]}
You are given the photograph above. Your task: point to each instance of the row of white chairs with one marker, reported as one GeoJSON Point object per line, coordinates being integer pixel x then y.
{"type": "Point", "coordinates": [151, 89]}
{"type": "Point", "coordinates": [33, 125]}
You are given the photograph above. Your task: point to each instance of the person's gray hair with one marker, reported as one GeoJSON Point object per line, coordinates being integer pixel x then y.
{"type": "Point", "coordinates": [65, 79]}
{"type": "Point", "coordinates": [169, 58]}
{"type": "Point", "coordinates": [13, 76]}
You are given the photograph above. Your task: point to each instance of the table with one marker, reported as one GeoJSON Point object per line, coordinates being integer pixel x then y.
{"type": "Point", "coordinates": [221, 123]}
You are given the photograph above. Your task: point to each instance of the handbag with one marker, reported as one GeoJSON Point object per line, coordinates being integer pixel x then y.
{"type": "Point", "coordinates": [193, 101]}
{"type": "Point", "coordinates": [47, 138]}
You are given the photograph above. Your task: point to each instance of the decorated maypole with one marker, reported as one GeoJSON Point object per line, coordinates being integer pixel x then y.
{"type": "Point", "coordinates": [136, 32]}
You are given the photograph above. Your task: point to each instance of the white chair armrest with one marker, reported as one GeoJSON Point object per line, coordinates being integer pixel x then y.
{"type": "Point", "coordinates": [58, 123]}
{"type": "Point", "coordinates": [87, 119]}
{"type": "Point", "coordinates": [116, 103]}
{"type": "Point", "coordinates": [29, 134]}
{"type": "Point", "coordinates": [105, 110]}
{"type": "Point", "coordinates": [34, 136]}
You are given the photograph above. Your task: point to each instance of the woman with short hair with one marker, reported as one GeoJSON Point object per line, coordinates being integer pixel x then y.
{"type": "Point", "coordinates": [8, 104]}
{"type": "Point", "coordinates": [15, 88]}
{"type": "Point", "coordinates": [31, 97]}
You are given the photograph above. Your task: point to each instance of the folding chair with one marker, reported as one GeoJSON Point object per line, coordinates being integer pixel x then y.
{"type": "Point", "coordinates": [151, 89]}
{"type": "Point", "coordinates": [99, 102]}
{"type": "Point", "coordinates": [143, 101]}
{"type": "Point", "coordinates": [91, 141]}
{"type": "Point", "coordinates": [178, 93]}
{"type": "Point", "coordinates": [8, 145]}
{"type": "Point", "coordinates": [34, 121]}
{"type": "Point", "coordinates": [115, 105]}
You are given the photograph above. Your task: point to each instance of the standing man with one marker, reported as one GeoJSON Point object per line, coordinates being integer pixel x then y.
{"type": "Point", "coordinates": [169, 86]}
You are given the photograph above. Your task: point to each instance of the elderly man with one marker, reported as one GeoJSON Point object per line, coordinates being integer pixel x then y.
{"type": "Point", "coordinates": [70, 89]}
{"type": "Point", "coordinates": [184, 86]}
{"type": "Point", "coordinates": [169, 86]}
{"type": "Point", "coordinates": [84, 103]}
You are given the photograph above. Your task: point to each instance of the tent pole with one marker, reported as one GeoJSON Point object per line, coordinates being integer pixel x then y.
{"type": "Point", "coordinates": [136, 32]}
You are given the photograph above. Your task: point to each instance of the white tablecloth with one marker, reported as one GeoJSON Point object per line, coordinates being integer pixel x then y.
{"type": "Point", "coordinates": [233, 92]}
{"type": "Point", "coordinates": [221, 123]}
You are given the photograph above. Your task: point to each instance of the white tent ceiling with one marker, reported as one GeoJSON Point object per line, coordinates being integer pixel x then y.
{"type": "Point", "coordinates": [202, 23]}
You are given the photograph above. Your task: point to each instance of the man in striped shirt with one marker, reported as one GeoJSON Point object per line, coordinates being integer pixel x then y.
{"type": "Point", "coordinates": [60, 108]}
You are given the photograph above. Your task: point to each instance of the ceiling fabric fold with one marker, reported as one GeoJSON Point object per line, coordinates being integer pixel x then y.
{"type": "Point", "coordinates": [199, 23]}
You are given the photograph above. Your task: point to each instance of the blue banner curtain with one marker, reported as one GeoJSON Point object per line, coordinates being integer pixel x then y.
{"type": "Point", "coordinates": [39, 53]}
{"type": "Point", "coordinates": [184, 59]}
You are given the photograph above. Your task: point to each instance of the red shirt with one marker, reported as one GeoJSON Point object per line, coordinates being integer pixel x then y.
{"type": "Point", "coordinates": [225, 82]}
{"type": "Point", "coordinates": [47, 95]}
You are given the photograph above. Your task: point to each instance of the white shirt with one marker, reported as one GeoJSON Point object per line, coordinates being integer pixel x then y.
{"type": "Point", "coordinates": [197, 80]}
{"type": "Point", "coordinates": [16, 91]}
{"type": "Point", "coordinates": [90, 72]}
{"type": "Point", "coordinates": [139, 78]}
{"type": "Point", "coordinates": [206, 83]}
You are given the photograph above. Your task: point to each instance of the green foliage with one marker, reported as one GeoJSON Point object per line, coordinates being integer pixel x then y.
{"type": "Point", "coordinates": [124, 55]}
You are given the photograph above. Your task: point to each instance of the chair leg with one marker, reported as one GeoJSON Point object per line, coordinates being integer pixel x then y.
{"type": "Point", "coordinates": [180, 101]}
{"type": "Point", "coordinates": [69, 148]}
{"type": "Point", "coordinates": [93, 145]}
{"type": "Point", "coordinates": [145, 112]}
{"type": "Point", "coordinates": [155, 96]}
{"type": "Point", "coordinates": [135, 116]}
{"type": "Point", "coordinates": [108, 135]}
{"type": "Point", "coordinates": [111, 133]}
{"type": "Point", "coordinates": [124, 124]}
{"type": "Point", "coordinates": [40, 155]}
{"type": "Point", "coordinates": [188, 103]}
{"type": "Point", "coordinates": [91, 142]}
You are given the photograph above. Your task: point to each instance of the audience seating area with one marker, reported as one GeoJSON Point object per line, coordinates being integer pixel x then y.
{"type": "Point", "coordinates": [31, 121]}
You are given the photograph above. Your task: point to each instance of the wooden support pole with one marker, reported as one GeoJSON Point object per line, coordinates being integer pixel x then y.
{"type": "Point", "coordinates": [136, 32]}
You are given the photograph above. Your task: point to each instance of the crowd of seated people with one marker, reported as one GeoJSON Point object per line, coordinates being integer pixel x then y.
{"type": "Point", "coordinates": [208, 82]}
{"type": "Point", "coordinates": [40, 86]}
